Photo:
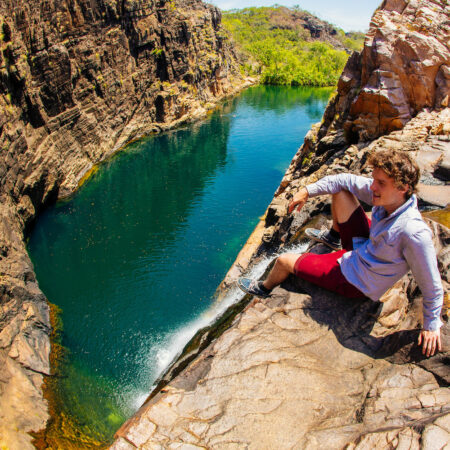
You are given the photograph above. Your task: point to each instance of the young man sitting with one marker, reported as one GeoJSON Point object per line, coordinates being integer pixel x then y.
{"type": "Point", "coordinates": [375, 254]}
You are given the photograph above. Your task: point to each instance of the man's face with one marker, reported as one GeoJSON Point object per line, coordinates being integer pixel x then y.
{"type": "Point", "coordinates": [385, 192]}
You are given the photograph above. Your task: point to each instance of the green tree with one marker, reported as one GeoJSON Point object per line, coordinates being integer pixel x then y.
{"type": "Point", "coordinates": [276, 47]}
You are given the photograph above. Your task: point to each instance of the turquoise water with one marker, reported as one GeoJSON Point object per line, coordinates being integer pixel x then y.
{"type": "Point", "coordinates": [136, 255]}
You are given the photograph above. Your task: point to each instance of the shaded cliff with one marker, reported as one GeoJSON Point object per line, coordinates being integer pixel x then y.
{"type": "Point", "coordinates": [307, 368]}
{"type": "Point", "coordinates": [78, 80]}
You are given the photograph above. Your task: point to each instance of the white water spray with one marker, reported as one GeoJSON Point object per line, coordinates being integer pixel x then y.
{"type": "Point", "coordinates": [170, 347]}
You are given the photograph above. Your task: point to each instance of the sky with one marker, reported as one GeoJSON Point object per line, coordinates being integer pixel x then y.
{"type": "Point", "coordinates": [350, 15]}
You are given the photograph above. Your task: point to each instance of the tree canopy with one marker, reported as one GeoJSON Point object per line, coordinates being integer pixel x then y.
{"type": "Point", "coordinates": [276, 44]}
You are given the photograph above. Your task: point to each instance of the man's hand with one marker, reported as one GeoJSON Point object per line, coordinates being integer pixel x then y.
{"type": "Point", "coordinates": [430, 340]}
{"type": "Point", "coordinates": [299, 200]}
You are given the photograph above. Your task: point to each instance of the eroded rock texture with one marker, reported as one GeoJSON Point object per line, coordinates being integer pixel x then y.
{"type": "Point", "coordinates": [307, 368]}
{"type": "Point", "coordinates": [78, 80]}
{"type": "Point", "coordinates": [304, 369]}
{"type": "Point", "coordinates": [403, 68]}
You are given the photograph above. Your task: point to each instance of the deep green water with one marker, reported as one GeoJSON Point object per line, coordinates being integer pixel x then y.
{"type": "Point", "coordinates": [134, 258]}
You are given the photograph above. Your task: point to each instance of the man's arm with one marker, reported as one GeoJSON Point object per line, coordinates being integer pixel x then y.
{"type": "Point", "coordinates": [358, 185]}
{"type": "Point", "coordinates": [332, 184]}
{"type": "Point", "coordinates": [421, 257]}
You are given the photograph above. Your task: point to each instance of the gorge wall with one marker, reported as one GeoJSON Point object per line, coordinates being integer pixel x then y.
{"type": "Point", "coordinates": [307, 368]}
{"type": "Point", "coordinates": [78, 80]}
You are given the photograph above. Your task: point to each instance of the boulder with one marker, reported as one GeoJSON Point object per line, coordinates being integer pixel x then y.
{"type": "Point", "coordinates": [402, 69]}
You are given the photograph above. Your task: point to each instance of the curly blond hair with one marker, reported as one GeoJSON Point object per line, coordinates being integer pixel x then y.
{"type": "Point", "coordinates": [399, 166]}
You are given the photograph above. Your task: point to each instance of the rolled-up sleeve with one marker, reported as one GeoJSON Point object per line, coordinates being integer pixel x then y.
{"type": "Point", "coordinates": [332, 184]}
{"type": "Point", "coordinates": [420, 255]}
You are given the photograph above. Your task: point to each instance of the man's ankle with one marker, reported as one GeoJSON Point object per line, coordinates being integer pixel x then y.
{"type": "Point", "coordinates": [263, 287]}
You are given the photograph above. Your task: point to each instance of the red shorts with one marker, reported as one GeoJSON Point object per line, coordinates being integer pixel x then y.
{"type": "Point", "coordinates": [324, 270]}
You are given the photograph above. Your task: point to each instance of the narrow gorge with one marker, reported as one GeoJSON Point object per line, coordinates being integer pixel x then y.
{"type": "Point", "coordinates": [306, 368]}
{"type": "Point", "coordinates": [79, 80]}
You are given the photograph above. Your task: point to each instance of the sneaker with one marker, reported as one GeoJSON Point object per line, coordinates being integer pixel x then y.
{"type": "Point", "coordinates": [253, 287]}
{"type": "Point", "coordinates": [324, 237]}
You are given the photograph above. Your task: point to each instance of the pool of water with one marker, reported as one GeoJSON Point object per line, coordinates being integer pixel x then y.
{"type": "Point", "coordinates": [134, 258]}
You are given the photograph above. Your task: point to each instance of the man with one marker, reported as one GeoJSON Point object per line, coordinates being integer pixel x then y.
{"type": "Point", "coordinates": [375, 254]}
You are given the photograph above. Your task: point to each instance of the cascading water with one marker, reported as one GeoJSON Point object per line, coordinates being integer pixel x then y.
{"type": "Point", "coordinates": [173, 344]}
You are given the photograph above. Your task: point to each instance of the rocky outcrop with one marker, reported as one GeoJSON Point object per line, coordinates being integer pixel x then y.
{"type": "Point", "coordinates": [403, 68]}
{"type": "Point", "coordinates": [306, 25]}
{"type": "Point", "coordinates": [291, 373]}
{"type": "Point", "coordinates": [286, 375]}
{"type": "Point", "coordinates": [307, 368]}
{"type": "Point", "coordinates": [78, 80]}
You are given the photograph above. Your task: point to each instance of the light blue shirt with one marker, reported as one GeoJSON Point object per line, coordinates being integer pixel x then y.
{"type": "Point", "coordinates": [397, 243]}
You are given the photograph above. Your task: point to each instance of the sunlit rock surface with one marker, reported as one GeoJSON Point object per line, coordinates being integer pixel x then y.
{"type": "Point", "coordinates": [403, 68]}
{"type": "Point", "coordinates": [304, 369]}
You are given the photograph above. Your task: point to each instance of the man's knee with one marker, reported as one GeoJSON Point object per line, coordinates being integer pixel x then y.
{"type": "Point", "coordinates": [287, 261]}
{"type": "Point", "coordinates": [345, 203]}
{"type": "Point", "coordinates": [345, 196]}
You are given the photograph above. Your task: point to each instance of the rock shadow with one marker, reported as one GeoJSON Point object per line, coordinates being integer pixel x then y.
{"type": "Point", "coordinates": [353, 320]}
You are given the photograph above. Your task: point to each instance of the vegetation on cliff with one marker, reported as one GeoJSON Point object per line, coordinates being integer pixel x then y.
{"type": "Point", "coordinates": [289, 46]}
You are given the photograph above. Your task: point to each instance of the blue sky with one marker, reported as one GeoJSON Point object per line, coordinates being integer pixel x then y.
{"type": "Point", "coordinates": [350, 15]}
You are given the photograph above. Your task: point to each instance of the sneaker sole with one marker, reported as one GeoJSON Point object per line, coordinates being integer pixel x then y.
{"type": "Point", "coordinates": [244, 289]}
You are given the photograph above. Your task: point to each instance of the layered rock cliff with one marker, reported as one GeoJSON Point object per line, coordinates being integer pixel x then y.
{"type": "Point", "coordinates": [307, 368]}
{"type": "Point", "coordinates": [78, 80]}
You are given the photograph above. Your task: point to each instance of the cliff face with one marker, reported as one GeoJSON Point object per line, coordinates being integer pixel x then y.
{"type": "Point", "coordinates": [307, 368]}
{"type": "Point", "coordinates": [78, 80]}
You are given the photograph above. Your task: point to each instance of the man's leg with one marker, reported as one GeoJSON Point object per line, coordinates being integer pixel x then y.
{"type": "Point", "coordinates": [343, 205]}
{"type": "Point", "coordinates": [324, 270]}
{"type": "Point", "coordinates": [284, 266]}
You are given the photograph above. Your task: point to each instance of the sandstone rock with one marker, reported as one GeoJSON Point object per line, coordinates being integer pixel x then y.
{"type": "Point", "coordinates": [435, 195]}
{"type": "Point", "coordinates": [336, 389]}
{"type": "Point", "coordinates": [90, 85]}
{"type": "Point", "coordinates": [402, 69]}
{"type": "Point", "coordinates": [442, 170]}
{"type": "Point", "coordinates": [436, 436]}
{"type": "Point", "coordinates": [400, 439]}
